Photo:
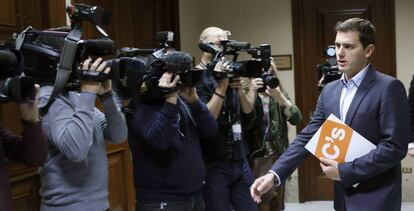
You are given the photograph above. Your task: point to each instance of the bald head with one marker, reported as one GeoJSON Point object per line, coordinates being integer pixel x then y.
{"type": "Point", "coordinates": [213, 35]}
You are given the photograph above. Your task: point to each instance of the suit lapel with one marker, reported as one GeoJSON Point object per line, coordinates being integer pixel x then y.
{"type": "Point", "coordinates": [363, 89]}
{"type": "Point", "coordinates": [337, 98]}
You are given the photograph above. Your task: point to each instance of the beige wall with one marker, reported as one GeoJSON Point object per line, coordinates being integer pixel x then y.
{"type": "Point", "coordinates": [269, 21]}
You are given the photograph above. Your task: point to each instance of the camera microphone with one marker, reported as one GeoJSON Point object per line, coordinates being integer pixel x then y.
{"type": "Point", "coordinates": [238, 45]}
{"type": "Point", "coordinates": [99, 46]}
{"type": "Point", "coordinates": [177, 61]}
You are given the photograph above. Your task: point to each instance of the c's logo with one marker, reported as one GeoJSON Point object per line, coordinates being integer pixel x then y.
{"type": "Point", "coordinates": [333, 141]}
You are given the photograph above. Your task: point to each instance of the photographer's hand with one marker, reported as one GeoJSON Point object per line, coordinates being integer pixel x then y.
{"type": "Point", "coordinates": [165, 82]}
{"type": "Point", "coordinates": [92, 86]}
{"type": "Point", "coordinates": [106, 86]}
{"type": "Point", "coordinates": [255, 84]}
{"type": "Point", "coordinates": [222, 85]}
{"type": "Point", "coordinates": [278, 96]}
{"type": "Point", "coordinates": [236, 83]}
{"type": "Point", "coordinates": [29, 111]}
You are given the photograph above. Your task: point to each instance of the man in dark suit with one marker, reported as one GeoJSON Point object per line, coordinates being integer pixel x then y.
{"type": "Point", "coordinates": [373, 104]}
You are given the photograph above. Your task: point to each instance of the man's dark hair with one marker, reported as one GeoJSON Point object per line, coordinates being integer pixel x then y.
{"type": "Point", "coordinates": [364, 27]}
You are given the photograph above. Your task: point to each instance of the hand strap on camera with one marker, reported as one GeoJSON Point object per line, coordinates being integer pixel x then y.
{"type": "Point", "coordinates": [64, 67]}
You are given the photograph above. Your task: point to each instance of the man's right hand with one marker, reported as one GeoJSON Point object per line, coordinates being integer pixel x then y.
{"type": "Point", "coordinates": [261, 185]}
{"type": "Point", "coordinates": [99, 66]}
{"type": "Point", "coordinates": [222, 66]}
{"type": "Point", "coordinates": [165, 82]}
{"type": "Point", "coordinates": [411, 152]}
{"type": "Point", "coordinates": [255, 84]}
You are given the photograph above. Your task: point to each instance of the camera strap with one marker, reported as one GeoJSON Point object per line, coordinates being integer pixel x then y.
{"type": "Point", "coordinates": [64, 67]}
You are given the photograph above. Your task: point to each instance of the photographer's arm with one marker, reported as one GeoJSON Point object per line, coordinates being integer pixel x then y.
{"type": "Point", "coordinates": [205, 122]}
{"type": "Point", "coordinates": [290, 110]}
{"type": "Point", "coordinates": [158, 125]}
{"type": "Point", "coordinates": [31, 147]}
{"type": "Point", "coordinates": [215, 101]}
{"type": "Point", "coordinates": [113, 122]}
{"type": "Point", "coordinates": [253, 85]}
{"type": "Point", "coordinates": [71, 117]}
{"type": "Point", "coordinates": [215, 104]}
{"type": "Point", "coordinates": [71, 128]}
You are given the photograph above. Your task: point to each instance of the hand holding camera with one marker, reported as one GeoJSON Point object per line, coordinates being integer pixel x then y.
{"type": "Point", "coordinates": [94, 86]}
{"type": "Point", "coordinates": [28, 110]}
{"type": "Point", "coordinates": [220, 69]}
{"type": "Point", "coordinates": [255, 84]}
{"type": "Point", "coordinates": [278, 96]}
{"type": "Point", "coordinates": [166, 82]}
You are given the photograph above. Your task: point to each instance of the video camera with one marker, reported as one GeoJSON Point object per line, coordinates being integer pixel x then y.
{"type": "Point", "coordinates": [13, 85]}
{"type": "Point", "coordinates": [145, 67]}
{"type": "Point", "coordinates": [257, 67]}
{"type": "Point", "coordinates": [164, 38]}
{"type": "Point", "coordinates": [53, 56]}
{"type": "Point", "coordinates": [43, 51]}
{"type": "Point", "coordinates": [328, 71]}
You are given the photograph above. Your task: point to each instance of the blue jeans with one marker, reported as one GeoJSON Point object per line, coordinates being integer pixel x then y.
{"type": "Point", "coordinates": [193, 203]}
{"type": "Point", "coordinates": [228, 186]}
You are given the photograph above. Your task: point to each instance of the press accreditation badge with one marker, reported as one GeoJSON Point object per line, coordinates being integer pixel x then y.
{"type": "Point", "coordinates": [236, 131]}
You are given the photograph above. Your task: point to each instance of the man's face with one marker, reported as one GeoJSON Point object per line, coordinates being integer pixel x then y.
{"type": "Point", "coordinates": [352, 57]}
{"type": "Point", "coordinates": [215, 39]}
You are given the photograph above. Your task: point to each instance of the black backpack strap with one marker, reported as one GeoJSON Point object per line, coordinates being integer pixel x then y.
{"type": "Point", "coordinates": [64, 67]}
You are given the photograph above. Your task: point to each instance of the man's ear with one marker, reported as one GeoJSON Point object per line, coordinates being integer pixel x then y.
{"type": "Point", "coordinates": [369, 50]}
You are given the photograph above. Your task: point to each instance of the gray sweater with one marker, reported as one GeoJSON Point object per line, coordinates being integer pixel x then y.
{"type": "Point", "coordinates": [75, 176]}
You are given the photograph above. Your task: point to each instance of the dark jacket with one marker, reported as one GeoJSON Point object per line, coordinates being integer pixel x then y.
{"type": "Point", "coordinates": [379, 112]}
{"type": "Point", "coordinates": [411, 109]}
{"type": "Point", "coordinates": [165, 144]}
{"type": "Point", "coordinates": [30, 149]}
{"type": "Point", "coordinates": [220, 147]}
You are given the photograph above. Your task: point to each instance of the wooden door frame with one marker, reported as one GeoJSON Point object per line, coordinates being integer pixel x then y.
{"type": "Point", "coordinates": [298, 31]}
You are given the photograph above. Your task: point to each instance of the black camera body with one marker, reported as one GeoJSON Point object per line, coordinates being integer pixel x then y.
{"type": "Point", "coordinates": [43, 49]}
{"type": "Point", "coordinates": [49, 52]}
{"type": "Point", "coordinates": [269, 80]}
{"type": "Point", "coordinates": [257, 67]}
{"type": "Point", "coordinates": [328, 71]}
{"type": "Point", "coordinates": [144, 67]}
{"type": "Point", "coordinates": [176, 62]}
{"type": "Point", "coordinates": [13, 85]}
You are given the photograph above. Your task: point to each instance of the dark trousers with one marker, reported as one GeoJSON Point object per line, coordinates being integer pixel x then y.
{"type": "Point", "coordinates": [193, 203]}
{"type": "Point", "coordinates": [228, 186]}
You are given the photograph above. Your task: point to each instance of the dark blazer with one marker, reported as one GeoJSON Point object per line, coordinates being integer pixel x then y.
{"type": "Point", "coordinates": [411, 109]}
{"type": "Point", "coordinates": [379, 112]}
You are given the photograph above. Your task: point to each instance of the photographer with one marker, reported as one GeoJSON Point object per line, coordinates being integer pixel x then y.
{"type": "Point", "coordinates": [30, 148]}
{"type": "Point", "coordinates": [228, 172]}
{"type": "Point", "coordinates": [164, 138]}
{"type": "Point", "coordinates": [268, 138]}
{"type": "Point", "coordinates": [75, 176]}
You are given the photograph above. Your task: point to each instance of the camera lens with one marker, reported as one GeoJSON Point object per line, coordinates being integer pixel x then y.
{"type": "Point", "coordinates": [271, 81]}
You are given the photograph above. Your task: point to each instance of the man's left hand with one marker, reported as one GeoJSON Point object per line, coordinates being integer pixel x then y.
{"type": "Point", "coordinates": [330, 168]}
